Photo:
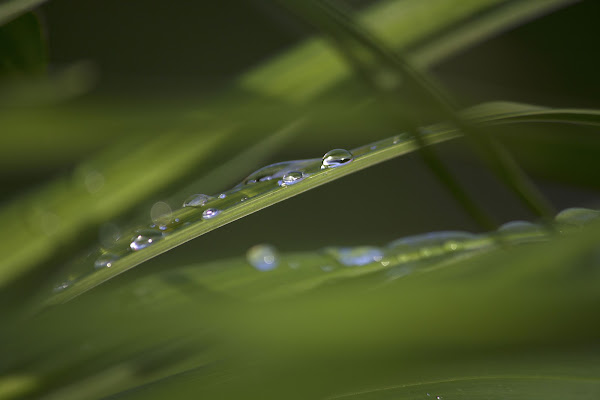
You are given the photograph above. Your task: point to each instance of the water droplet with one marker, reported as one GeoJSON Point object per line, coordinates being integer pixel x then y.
{"type": "Point", "coordinates": [210, 213]}
{"type": "Point", "coordinates": [373, 147]}
{"type": "Point", "coordinates": [222, 195]}
{"type": "Point", "coordinates": [244, 198]}
{"type": "Point", "coordinates": [435, 243]}
{"type": "Point", "coordinates": [356, 256]}
{"type": "Point", "coordinates": [263, 257]}
{"type": "Point", "coordinates": [577, 216]}
{"type": "Point", "coordinates": [197, 200]}
{"type": "Point", "coordinates": [145, 238]}
{"type": "Point", "coordinates": [336, 158]}
{"type": "Point", "coordinates": [291, 178]}
{"type": "Point", "coordinates": [276, 171]}
{"type": "Point", "coordinates": [62, 286]}
{"type": "Point", "coordinates": [401, 137]}
{"type": "Point", "coordinates": [105, 261]}
{"type": "Point", "coordinates": [160, 212]}
{"type": "Point", "coordinates": [521, 228]}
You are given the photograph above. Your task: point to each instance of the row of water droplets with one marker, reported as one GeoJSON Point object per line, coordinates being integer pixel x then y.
{"type": "Point", "coordinates": [199, 207]}
{"type": "Point", "coordinates": [402, 255]}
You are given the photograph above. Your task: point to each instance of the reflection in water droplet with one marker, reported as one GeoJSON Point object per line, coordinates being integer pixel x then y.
{"type": "Point", "coordinates": [145, 238]}
{"type": "Point", "coordinates": [222, 195]}
{"type": "Point", "coordinates": [336, 158]}
{"type": "Point", "coordinates": [356, 256]}
{"type": "Point", "coordinates": [577, 216]}
{"type": "Point", "coordinates": [373, 147]}
{"type": "Point", "coordinates": [105, 261]}
{"type": "Point", "coordinates": [197, 200]}
{"type": "Point", "coordinates": [160, 212]}
{"type": "Point", "coordinates": [210, 213]}
{"type": "Point", "coordinates": [263, 257]}
{"type": "Point", "coordinates": [291, 178]}
{"type": "Point", "coordinates": [244, 198]}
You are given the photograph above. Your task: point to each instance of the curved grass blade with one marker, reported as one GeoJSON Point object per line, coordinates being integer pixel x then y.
{"type": "Point", "coordinates": [360, 44]}
{"type": "Point", "coordinates": [509, 112]}
{"type": "Point", "coordinates": [29, 246]}
{"type": "Point", "coordinates": [263, 188]}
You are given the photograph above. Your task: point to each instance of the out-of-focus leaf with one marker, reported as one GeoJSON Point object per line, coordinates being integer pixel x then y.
{"type": "Point", "coordinates": [509, 321]}
{"type": "Point", "coordinates": [10, 9]}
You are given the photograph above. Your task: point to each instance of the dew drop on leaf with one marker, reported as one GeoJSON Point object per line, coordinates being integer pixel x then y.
{"type": "Point", "coordinates": [105, 261]}
{"type": "Point", "coordinates": [291, 178]}
{"type": "Point", "coordinates": [356, 256]}
{"type": "Point", "coordinates": [210, 213]}
{"type": "Point", "coordinates": [263, 257]}
{"type": "Point", "coordinates": [197, 200]}
{"type": "Point", "coordinates": [336, 158]}
{"type": "Point", "coordinates": [145, 238]}
{"type": "Point", "coordinates": [577, 216]}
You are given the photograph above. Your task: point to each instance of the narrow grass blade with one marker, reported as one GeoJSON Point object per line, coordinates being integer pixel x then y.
{"type": "Point", "coordinates": [263, 188]}
{"type": "Point", "coordinates": [30, 246]}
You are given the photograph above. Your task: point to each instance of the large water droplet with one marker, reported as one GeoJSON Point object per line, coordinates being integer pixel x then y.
{"type": "Point", "coordinates": [356, 256]}
{"type": "Point", "coordinates": [263, 257]}
{"type": "Point", "coordinates": [197, 200]}
{"type": "Point", "coordinates": [523, 231]}
{"type": "Point", "coordinates": [210, 213]}
{"type": "Point", "coordinates": [336, 158]}
{"type": "Point", "coordinates": [291, 178]}
{"type": "Point", "coordinates": [435, 243]}
{"type": "Point", "coordinates": [160, 212]}
{"type": "Point", "coordinates": [105, 261]}
{"type": "Point", "coordinates": [276, 171]}
{"type": "Point", "coordinates": [145, 238]}
{"type": "Point", "coordinates": [577, 216]}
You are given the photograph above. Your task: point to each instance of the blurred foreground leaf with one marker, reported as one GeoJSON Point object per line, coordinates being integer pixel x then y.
{"type": "Point", "coordinates": [512, 322]}
{"type": "Point", "coordinates": [10, 9]}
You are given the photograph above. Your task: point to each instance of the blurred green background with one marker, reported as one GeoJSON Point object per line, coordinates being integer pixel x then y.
{"type": "Point", "coordinates": [143, 66]}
